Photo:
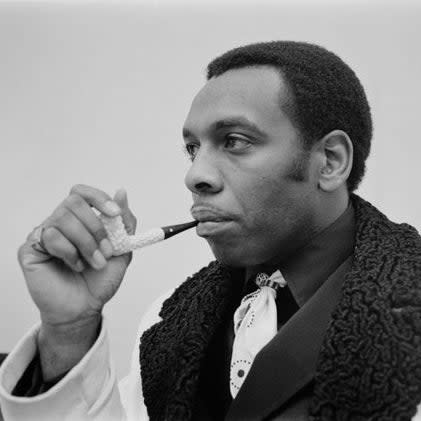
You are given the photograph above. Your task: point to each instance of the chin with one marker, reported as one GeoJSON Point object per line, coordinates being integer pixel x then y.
{"type": "Point", "coordinates": [233, 256]}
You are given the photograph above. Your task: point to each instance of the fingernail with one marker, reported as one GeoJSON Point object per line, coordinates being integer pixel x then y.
{"type": "Point", "coordinates": [121, 192]}
{"type": "Point", "coordinates": [112, 208]}
{"type": "Point", "coordinates": [106, 248]}
{"type": "Point", "coordinates": [98, 260]}
{"type": "Point", "coordinates": [79, 266]}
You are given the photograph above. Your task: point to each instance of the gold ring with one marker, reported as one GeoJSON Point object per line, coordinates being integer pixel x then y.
{"type": "Point", "coordinates": [36, 237]}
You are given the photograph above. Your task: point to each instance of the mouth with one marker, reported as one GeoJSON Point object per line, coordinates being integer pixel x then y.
{"type": "Point", "coordinates": [211, 221]}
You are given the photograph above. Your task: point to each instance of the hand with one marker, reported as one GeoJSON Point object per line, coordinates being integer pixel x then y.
{"type": "Point", "coordinates": [71, 284]}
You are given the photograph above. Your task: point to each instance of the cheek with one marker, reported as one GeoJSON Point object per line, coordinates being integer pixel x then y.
{"type": "Point", "coordinates": [261, 195]}
{"type": "Point", "coordinates": [269, 201]}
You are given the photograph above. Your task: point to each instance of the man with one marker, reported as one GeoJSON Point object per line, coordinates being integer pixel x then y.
{"type": "Point", "coordinates": [278, 139]}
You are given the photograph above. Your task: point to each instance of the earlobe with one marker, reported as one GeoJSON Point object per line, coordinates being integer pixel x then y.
{"type": "Point", "coordinates": [337, 152]}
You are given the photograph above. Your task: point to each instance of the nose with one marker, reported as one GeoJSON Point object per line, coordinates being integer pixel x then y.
{"type": "Point", "coordinates": [204, 175]}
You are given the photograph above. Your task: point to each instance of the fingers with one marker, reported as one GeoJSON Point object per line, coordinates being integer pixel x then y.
{"type": "Point", "coordinates": [65, 225]}
{"type": "Point", "coordinates": [97, 199]}
{"type": "Point", "coordinates": [129, 219]}
{"type": "Point", "coordinates": [80, 208]}
{"type": "Point", "coordinates": [80, 201]}
{"type": "Point", "coordinates": [74, 232]}
{"type": "Point", "coordinates": [59, 246]}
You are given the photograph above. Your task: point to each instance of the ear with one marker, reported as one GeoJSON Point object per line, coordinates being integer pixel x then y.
{"type": "Point", "coordinates": [336, 160]}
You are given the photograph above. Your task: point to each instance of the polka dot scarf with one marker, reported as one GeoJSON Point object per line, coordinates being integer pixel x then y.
{"type": "Point", "coordinates": [255, 324]}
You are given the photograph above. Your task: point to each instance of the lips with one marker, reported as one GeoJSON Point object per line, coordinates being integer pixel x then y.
{"type": "Point", "coordinates": [212, 221]}
{"type": "Point", "coordinates": [208, 214]}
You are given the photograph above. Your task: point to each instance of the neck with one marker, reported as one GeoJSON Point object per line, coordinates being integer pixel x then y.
{"type": "Point", "coordinates": [332, 206]}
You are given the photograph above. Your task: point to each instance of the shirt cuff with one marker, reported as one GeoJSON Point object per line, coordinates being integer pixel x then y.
{"type": "Point", "coordinates": [82, 393]}
{"type": "Point", "coordinates": [32, 382]}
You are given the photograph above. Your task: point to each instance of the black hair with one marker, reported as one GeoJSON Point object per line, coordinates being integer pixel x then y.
{"type": "Point", "coordinates": [325, 93]}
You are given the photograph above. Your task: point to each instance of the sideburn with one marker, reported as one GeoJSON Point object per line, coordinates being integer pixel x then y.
{"type": "Point", "coordinates": [298, 170]}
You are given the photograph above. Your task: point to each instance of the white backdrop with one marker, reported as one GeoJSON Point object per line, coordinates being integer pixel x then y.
{"type": "Point", "coordinates": [96, 92]}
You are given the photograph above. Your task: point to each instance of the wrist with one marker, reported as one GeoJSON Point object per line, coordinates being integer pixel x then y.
{"type": "Point", "coordinates": [69, 333]}
{"type": "Point", "coordinates": [62, 346]}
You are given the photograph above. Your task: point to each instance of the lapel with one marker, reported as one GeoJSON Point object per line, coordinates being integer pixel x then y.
{"type": "Point", "coordinates": [288, 362]}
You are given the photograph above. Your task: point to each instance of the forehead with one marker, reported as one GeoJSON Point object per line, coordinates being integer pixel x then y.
{"type": "Point", "coordinates": [253, 92]}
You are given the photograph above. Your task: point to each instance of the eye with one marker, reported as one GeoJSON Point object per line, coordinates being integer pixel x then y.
{"type": "Point", "coordinates": [236, 142]}
{"type": "Point", "coordinates": [191, 150]}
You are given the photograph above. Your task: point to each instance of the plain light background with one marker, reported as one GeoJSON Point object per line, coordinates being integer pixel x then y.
{"type": "Point", "coordinates": [96, 93]}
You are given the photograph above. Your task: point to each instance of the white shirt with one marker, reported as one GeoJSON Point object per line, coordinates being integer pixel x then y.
{"type": "Point", "coordinates": [88, 392]}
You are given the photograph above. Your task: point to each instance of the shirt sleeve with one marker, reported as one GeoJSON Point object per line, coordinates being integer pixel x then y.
{"type": "Point", "coordinates": [417, 416]}
{"type": "Point", "coordinates": [32, 382]}
{"type": "Point", "coordinates": [87, 392]}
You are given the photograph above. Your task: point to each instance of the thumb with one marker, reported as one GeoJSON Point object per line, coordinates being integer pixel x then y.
{"type": "Point", "coordinates": [129, 219]}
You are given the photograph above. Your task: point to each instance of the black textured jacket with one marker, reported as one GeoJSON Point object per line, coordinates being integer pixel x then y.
{"type": "Point", "coordinates": [369, 365]}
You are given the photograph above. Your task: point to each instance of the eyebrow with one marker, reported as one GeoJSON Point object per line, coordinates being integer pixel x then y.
{"type": "Point", "coordinates": [227, 123]}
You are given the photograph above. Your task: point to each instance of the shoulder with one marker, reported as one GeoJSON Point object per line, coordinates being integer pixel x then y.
{"type": "Point", "coordinates": [173, 295]}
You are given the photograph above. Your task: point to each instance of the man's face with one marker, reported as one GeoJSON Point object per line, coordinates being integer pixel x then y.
{"type": "Point", "coordinates": [253, 187]}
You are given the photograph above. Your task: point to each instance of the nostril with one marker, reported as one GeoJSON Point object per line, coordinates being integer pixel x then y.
{"type": "Point", "coordinates": [202, 186]}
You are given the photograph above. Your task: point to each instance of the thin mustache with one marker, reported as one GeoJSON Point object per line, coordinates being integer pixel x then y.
{"type": "Point", "coordinates": [209, 212]}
